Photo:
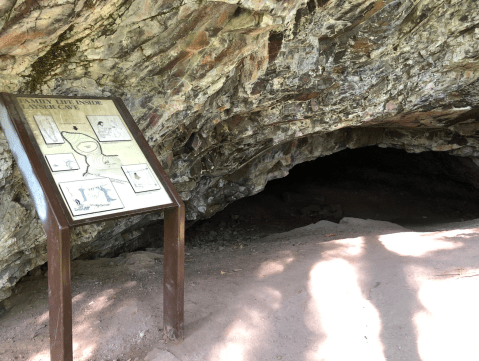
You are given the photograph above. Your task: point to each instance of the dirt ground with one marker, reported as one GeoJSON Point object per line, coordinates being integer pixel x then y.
{"type": "Point", "coordinates": [294, 273]}
{"type": "Point", "coordinates": [360, 289]}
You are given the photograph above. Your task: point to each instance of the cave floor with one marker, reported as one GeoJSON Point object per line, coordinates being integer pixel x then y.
{"type": "Point", "coordinates": [357, 290]}
{"type": "Point", "coordinates": [360, 263]}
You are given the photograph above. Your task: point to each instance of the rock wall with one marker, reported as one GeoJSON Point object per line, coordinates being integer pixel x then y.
{"type": "Point", "coordinates": [231, 94]}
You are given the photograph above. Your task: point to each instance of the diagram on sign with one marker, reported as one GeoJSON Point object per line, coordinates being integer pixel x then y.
{"type": "Point", "coordinates": [48, 129]}
{"type": "Point", "coordinates": [140, 177]}
{"type": "Point", "coordinates": [90, 196]}
{"type": "Point", "coordinates": [108, 128]}
{"type": "Point", "coordinates": [98, 163]}
{"type": "Point", "coordinates": [62, 162]}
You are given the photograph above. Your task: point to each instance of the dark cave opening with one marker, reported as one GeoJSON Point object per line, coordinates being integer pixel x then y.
{"type": "Point", "coordinates": [418, 191]}
{"type": "Point", "coordinates": [390, 185]}
{"type": "Point", "coordinates": [386, 184]}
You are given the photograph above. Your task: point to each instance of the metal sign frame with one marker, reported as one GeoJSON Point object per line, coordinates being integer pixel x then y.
{"type": "Point", "coordinates": [57, 222]}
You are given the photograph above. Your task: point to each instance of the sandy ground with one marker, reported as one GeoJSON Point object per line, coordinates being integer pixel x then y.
{"type": "Point", "coordinates": [358, 290]}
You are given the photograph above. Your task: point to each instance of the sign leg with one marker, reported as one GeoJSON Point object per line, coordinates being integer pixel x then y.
{"type": "Point", "coordinates": [59, 293]}
{"type": "Point", "coordinates": [174, 273]}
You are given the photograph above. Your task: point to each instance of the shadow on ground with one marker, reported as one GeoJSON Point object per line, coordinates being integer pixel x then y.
{"type": "Point", "coordinates": [361, 289]}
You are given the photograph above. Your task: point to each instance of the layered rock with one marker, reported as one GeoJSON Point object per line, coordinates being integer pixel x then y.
{"type": "Point", "coordinates": [232, 94]}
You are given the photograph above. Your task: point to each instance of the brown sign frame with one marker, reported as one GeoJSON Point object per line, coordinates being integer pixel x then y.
{"type": "Point", "coordinates": [57, 222]}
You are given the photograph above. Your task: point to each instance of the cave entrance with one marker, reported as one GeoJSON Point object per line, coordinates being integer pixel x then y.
{"type": "Point", "coordinates": [413, 190]}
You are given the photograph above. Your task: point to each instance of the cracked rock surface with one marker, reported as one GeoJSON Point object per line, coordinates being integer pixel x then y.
{"type": "Point", "coordinates": [232, 94]}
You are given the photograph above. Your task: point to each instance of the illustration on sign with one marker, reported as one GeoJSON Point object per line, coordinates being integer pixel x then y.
{"type": "Point", "coordinates": [90, 196]}
{"type": "Point", "coordinates": [140, 177]}
{"type": "Point", "coordinates": [97, 162]}
{"type": "Point", "coordinates": [108, 128]}
{"type": "Point", "coordinates": [60, 162]}
{"type": "Point", "coordinates": [49, 129]}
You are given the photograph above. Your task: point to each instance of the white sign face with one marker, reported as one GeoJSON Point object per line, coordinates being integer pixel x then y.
{"type": "Point", "coordinates": [95, 161]}
{"type": "Point", "coordinates": [91, 196]}
{"type": "Point", "coordinates": [108, 128]}
{"type": "Point", "coordinates": [140, 177]}
{"type": "Point", "coordinates": [62, 162]}
{"type": "Point", "coordinates": [49, 129]}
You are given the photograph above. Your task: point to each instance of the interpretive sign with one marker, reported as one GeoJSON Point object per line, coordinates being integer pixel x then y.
{"type": "Point", "coordinates": [84, 160]}
{"type": "Point", "coordinates": [94, 160]}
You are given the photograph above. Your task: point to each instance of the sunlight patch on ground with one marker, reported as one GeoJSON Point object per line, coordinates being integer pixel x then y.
{"type": "Point", "coordinates": [348, 247]}
{"type": "Point", "coordinates": [337, 309]}
{"type": "Point", "coordinates": [44, 317]}
{"type": "Point", "coordinates": [448, 328]}
{"type": "Point", "coordinates": [102, 301]}
{"type": "Point", "coordinates": [129, 285]}
{"type": "Point", "coordinates": [272, 298]}
{"type": "Point", "coordinates": [86, 354]}
{"type": "Point", "coordinates": [81, 350]}
{"type": "Point", "coordinates": [232, 352]}
{"type": "Point", "coordinates": [244, 335]}
{"type": "Point", "coordinates": [86, 319]}
{"type": "Point", "coordinates": [78, 297]}
{"type": "Point", "coordinates": [459, 232]}
{"type": "Point", "coordinates": [416, 244]}
{"type": "Point", "coordinates": [268, 269]}
{"type": "Point", "coordinates": [238, 337]}
{"type": "Point", "coordinates": [42, 356]}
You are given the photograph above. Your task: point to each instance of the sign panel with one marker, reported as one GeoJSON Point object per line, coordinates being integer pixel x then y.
{"type": "Point", "coordinates": [84, 160]}
{"type": "Point", "coordinates": [93, 158]}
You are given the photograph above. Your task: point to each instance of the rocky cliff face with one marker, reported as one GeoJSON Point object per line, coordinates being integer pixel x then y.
{"type": "Point", "coordinates": [232, 94]}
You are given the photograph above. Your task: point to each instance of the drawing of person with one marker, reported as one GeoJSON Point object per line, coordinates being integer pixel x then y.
{"type": "Point", "coordinates": [115, 130]}
{"type": "Point", "coordinates": [105, 192]}
{"type": "Point", "coordinates": [136, 180]}
{"type": "Point", "coordinates": [82, 191]}
{"type": "Point", "coordinates": [111, 130]}
{"type": "Point", "coordinates": [103, 131]}
{"type": "Point", "coordinates": [49, 129]}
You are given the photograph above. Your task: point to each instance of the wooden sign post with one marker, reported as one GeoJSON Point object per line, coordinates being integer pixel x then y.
{"type": "Point", "coordinates": [84, 160]}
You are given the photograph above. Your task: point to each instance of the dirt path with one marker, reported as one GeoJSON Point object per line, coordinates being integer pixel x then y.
{"type": "Point", "coordinates": [362, 290]}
